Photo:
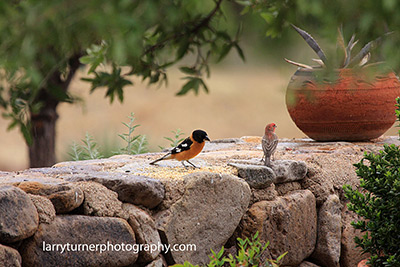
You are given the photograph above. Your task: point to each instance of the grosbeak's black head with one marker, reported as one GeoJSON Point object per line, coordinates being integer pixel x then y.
{"type": "Point", "coordinates": [200, 136]}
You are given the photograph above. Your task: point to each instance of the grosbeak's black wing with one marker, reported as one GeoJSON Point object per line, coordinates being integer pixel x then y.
{"type": "Point", "coordinates": [185, 145]}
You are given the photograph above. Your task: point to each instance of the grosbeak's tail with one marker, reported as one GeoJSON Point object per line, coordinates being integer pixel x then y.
{"type": "Point", "coordinates": [162, 158]}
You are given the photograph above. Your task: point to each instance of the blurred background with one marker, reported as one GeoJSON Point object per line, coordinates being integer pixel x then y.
{"type": "Point", "coordinates": [243, 97]}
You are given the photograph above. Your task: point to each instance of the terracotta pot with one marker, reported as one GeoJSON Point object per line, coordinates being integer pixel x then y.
{"type": "Point", "coordinates": [351, 106]}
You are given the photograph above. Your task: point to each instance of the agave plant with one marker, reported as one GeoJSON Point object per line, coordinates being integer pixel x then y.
{"type": "Point", "coordinates": [359, 60]}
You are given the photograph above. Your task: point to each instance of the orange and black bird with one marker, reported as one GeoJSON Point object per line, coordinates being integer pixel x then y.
{"type": "Point", "coordinates": [188, 148]}
{"type": "Point", "coordinates": [269, 143]}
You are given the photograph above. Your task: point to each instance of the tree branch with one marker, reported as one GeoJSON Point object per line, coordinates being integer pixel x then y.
{"type": "Point", "coordinates": [195, 29]}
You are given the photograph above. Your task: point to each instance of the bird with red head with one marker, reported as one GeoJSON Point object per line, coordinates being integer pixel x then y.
{"type": "Point", "coordinates": [269, 143]}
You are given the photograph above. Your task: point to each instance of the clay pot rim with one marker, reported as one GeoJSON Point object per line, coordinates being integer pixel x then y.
{"type": "Point", "coordinates": [383, 70]}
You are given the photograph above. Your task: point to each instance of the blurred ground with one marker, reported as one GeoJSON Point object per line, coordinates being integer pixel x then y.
{"type": "Point", "coordinates": [242, 100]}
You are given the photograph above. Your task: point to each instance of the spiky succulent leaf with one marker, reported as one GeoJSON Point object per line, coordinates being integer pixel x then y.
{"type": "Point", "coordinates": [298, 64]}
{"type": "Point", "coordinates": [311, 42]}
{"type": "Point", "coordinates": [319, 61]}
{"type": "Point", "coordinates": [366, 49]}
{"type": "Point", "coordinates": [349, 47]}
{"type": "Point", "coordinates": [340, 42]}
{"type": "Point", "coordinates": [365, 59]}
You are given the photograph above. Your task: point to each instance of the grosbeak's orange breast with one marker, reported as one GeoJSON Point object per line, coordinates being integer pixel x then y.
{"type": "Point", "coordinates": [194, 150]}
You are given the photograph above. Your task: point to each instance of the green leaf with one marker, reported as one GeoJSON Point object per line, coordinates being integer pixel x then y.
{"type": "Point", "coordinates": [182, 50]}
{"type": "Point", "coordinates": [268, 17]}
{"type": "Point", "coordinates": [85, 60]}
{"type": "Point", "coordinates": [192, 84]}
{"type": "Point", "coordinates": [26, 133]}
{"type": "Point", "coordinates": [187, 70]}
{"type": "Point", "coordinates": [240, 51]}
{"type": "Point", "coordinates": [281, 256]}
{"type": "Point", "coordinates": [204, 86]}
{"type": "Point", "coordinates": [12, 125]}
{"type": "Point", "coordinates": [224, 52]}
{"type": "Point", "coordinates": [220, 253]}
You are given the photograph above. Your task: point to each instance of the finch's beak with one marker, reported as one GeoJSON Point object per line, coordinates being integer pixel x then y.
{"type": "Point", "coordinates": [206, 138]}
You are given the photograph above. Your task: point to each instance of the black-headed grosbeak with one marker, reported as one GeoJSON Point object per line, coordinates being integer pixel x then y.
{"type": "Point", "coordinates": [187, 149]}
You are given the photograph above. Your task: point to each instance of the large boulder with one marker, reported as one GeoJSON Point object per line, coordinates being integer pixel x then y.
{"type": "Point", "coordinates": [146, 232]}
{"type": "Point", "coordinates": [77, 240]}
{"type": "Point", "coordinates": [9, 257]}
{"type": "Point", "coordinates": [327, 250]}
{"type": "Point", "coordinates": [19, 218]}
{"type": "Point", "coordinates": [289, 223]}
{"type": "Point", "coordinates": [64, 196]}
{"type": "Point", "coordinates": [205, 216]}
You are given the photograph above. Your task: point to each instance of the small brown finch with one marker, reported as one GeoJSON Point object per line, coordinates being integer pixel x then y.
{"type": "Point", "coordinates": [269, 143]}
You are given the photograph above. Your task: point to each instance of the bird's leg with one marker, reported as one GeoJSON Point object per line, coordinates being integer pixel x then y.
{"type": "Point", "coordinates": [263, 158]}
{"type": "Point", "coordinates": [192, 164]}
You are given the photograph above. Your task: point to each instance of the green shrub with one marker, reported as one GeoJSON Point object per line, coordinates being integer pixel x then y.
{"type": "Point", "coordinates": [89, 149]}
{"type": "Point", "coordinates": [176, 139]}
{"type": "Point", "coordinates": [378, 203]}
{"type": "Point", "coordinates": [249, 254]}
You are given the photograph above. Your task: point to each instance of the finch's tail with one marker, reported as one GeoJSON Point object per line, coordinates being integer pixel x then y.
{"type": "Point", "coordinates": [167, 156]}
{"type": "Point", "coordinates": [267, 161]}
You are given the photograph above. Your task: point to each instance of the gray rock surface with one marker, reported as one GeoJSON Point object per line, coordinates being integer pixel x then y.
{"type": "Point", "coordinates": [44, 207]}
{"type": "Point", "coordinates": [65, 197]}
{"type": "Point", "coordinates": [285, 188]}
{"type": "Point", "coordinates": [100, 201]}
{"type": "Point", "coordinates": [289, 223]}
{"type": "Point", "coordinates": [159, 262]}
{"type": "Point", "coordinates": [9, 257]}
{"type": "Point", "coordinates": [268, 193]}
{"type": "Point", "coordinates": [327, 249]}
{"type": "Point", "coordinates": [146, 233]}
{"type": "Point", "coordinates": [206, 215]}
{"type": "Point", "coordinates": [308, 264]}
{"type": "Point", "coordinates": [281, 171]}
{"type": "Point", "coordinates": [256, 176]}
{"type": "Point", "coordinates": [19, 218]}
{"type": "Point", "coordinates": [350, 255]}
{"type": "Point", "coordinates": [138, 190]}
{"type": "Point", "coordinates": [77, 240]}
{"type": "Point", "coordinates": [288, 170]}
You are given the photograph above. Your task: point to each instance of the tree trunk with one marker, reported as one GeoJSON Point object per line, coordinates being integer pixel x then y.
{"type": "Point", "coordinates": [43, 123]}
{"type": "Point", "coordinates": [42, 149]}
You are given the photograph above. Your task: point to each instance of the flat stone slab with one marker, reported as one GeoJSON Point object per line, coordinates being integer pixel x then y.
{"type": "Point", "coordinates": [256, 176]}
{"type": "Point", "coordinates": [138, 190]}
{"type": "Point", "coordinates": [260, 176]}
{"type": "Point", "coordinates": [64, 196]}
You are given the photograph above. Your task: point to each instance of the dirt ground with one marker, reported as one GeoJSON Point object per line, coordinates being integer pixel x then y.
{"type": "Point", "coordinates": [242, 100]}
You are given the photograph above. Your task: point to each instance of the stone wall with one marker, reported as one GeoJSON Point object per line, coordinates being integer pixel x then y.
{"type": "Point", "coordinates": [99, 212]}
